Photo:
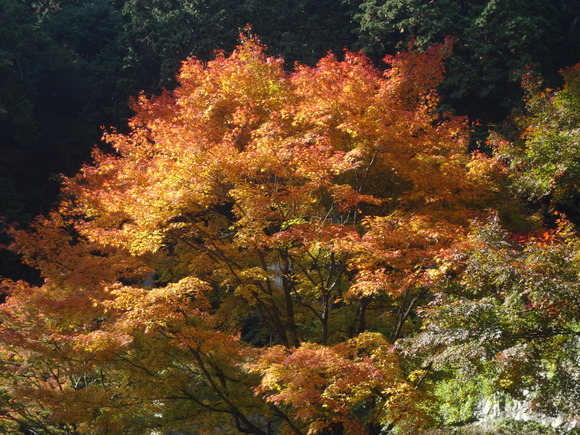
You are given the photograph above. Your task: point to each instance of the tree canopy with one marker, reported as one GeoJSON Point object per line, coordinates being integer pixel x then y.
{"type": "Point", "coordinates": [267, 248]}
{"type": "Point", "coordinates": [250, 218]}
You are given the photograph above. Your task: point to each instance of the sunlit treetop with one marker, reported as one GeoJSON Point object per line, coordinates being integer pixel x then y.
{"type": "Point", "coordinates": [276, 147]}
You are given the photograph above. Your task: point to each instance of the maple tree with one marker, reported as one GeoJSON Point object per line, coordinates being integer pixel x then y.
{"type": "Point", "coordinates": [242, 230]}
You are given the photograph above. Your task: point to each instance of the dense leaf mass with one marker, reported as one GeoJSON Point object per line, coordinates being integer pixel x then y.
{"type": "Point", "coordinates": [306, 248]}
{"type": "Point", "coordinates": [299, 203]}
{"type": "Point", "coordinates": [511, 313]}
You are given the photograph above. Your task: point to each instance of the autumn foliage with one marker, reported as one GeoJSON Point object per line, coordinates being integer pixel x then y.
{"type": "Point", "coordinates": [245, 258]}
